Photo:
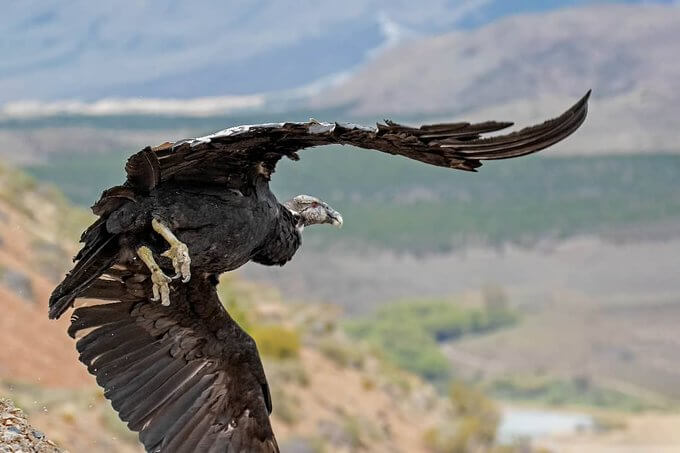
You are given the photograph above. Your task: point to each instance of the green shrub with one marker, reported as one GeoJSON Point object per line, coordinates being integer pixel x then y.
{"type": "Point", "coordinates": [521, 200]}
{"type": "Point", "coordinates": [272, 340]}
{"type": "Point", "coordinates": [287, 371]}
{"type": "Point", "coordinates": [237, 305]}
{"type": "Point", "coordinates": [409, 332]}
{"type": "Point", "coordinates": [473, 427]}
{"type": "Point", "coordinates": [609, 422]}
{"type": "Point", "coordinates": [276, 341]}
{"type": "Point", "coordinates": [285, 407]}
{"type": "Point", "coordinates": [354, 431]}
{"type": "Point", "coordinates": [407, 345]}
{"type": "Point", "coordinates": [577, 390]}
{"type": "Point", "coordinates": [341, 353]}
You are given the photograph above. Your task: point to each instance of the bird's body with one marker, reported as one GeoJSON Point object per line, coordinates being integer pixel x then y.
{"type": "Point", "coordinates": [182, 373]}
{"type": "Point", "coordinates": [224, 229]}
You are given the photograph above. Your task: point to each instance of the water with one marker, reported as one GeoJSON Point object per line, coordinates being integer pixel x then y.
{"type": "Point", "coordinates": [531, 423]}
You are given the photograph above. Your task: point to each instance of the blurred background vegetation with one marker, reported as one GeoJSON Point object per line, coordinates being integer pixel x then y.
{"type": "Point", "coordinates": [530, 307]}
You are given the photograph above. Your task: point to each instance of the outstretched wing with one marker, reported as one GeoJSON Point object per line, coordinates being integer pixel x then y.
{"type": "Point", "coordinates": [240, 150]}
{"type": "Point", "coordinates": [186, 377]}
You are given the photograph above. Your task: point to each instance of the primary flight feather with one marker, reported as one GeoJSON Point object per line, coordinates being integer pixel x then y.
{"type": "Point", "coordinates": [174, 364]}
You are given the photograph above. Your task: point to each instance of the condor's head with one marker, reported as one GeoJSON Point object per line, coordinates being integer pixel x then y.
{"type": "Point", "coordinates": [313, 211]}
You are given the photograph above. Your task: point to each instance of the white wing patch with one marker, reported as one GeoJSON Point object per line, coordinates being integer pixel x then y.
{"type": "Point", "coordinates": [313, 127]}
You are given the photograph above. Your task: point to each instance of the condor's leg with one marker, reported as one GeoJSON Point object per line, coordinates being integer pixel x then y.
{"type": "Point", "coordinates": [178, 251]}
{"type": "Point", "coordinates": [159, 280]}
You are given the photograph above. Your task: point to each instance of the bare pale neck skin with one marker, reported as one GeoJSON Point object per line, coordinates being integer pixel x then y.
{"type": "Point", "coordinates": [313, 211]}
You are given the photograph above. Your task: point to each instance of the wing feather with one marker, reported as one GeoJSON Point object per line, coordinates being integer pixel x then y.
{"type": "Point", "coordinates": [186, 377]}
{"type": "Point", "coordinates": [257, 148]}
{"type": "Point", "coordinates": [143, 169]}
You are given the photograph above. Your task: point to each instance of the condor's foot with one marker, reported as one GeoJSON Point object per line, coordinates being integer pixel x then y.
{"type": "Point", "coordinates": [159, 281]}
{"type": "Point", "coordinates": [178, 251]}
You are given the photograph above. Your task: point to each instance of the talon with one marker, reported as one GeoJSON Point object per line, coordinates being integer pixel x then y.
{"type": "Point", "coordinates": [178, 252]}
{"type": "Point", "coordinates": [160, 285]}
{"type": "Point", "coordinates": [159, 281]}
{"type": "Point", "coordinates": [181, 262]}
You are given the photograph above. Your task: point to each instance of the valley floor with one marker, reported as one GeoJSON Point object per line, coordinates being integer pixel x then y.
{"type": "Point", "coordinates": [642, 433]}
{"type": "Point", "coordinates": [602, 310]}
{"type": "Point", "coordinates": [585, 269]}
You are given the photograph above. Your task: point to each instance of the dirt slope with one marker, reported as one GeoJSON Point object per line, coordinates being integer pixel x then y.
{"type": "Point", "coordinates": [36, 230]}
{"type": "Point", "coordinates": [328, 394]}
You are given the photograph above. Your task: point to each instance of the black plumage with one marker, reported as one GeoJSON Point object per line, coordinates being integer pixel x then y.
{"type": "Point", "coordinates": [186, 376]}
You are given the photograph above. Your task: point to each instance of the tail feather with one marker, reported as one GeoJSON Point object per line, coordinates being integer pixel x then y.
{"type": "Point", "coordinates": [99, 253]}
{"type": "Point", "coordinates": [92, 237]}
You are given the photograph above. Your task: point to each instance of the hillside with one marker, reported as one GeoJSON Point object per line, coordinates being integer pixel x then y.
{"type": "Point", "coordinates": [530, 66]}
{"type": "Point", "coordinates": [306, 352]}
{"type": "Point", "coordinates": [379, 408]}
{"type": "Point", "coordinates": [16, 434]}
{"type": "Point", "coordinates": [38, 229]}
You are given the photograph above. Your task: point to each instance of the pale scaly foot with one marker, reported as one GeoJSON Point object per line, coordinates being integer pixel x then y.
{"type": "Point", "coordinates": [159, 280]}
{"type": "Point", "coordinates": [178, 251]}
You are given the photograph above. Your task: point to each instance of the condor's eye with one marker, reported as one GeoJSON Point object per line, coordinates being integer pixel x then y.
{"type": "Point", "coordinates": [315, 204]}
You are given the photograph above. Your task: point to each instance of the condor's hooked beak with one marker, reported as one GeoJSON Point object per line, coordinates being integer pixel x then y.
{"type": "Point", "coordinates": [334, 218]}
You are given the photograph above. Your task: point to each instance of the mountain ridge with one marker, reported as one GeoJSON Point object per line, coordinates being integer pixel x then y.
{"type": "Point", "coordinates": [141, 49]}
{"type": "Point", "coordinates": [530, 67]}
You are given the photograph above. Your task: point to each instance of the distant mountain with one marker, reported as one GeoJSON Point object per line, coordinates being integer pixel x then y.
{"type": "Point", "coordinates": [367, 61]}
{"type": "Point", "coordinates": [91, 50]}
{"type": "Point", "coordinates": [527, 67]}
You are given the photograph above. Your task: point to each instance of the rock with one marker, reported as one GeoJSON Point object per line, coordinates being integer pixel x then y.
{"type": "Point", "coordinates": [17, 435]}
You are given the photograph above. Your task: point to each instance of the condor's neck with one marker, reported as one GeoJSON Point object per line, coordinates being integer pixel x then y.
{"type": "Point", "coordinates": [282, 242]}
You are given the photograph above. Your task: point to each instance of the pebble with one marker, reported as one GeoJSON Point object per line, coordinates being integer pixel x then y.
{"type": "Point", "coordinates": [17, 435]}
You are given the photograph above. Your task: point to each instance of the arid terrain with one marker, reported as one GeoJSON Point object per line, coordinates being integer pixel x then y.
{"type": "Point", "coordinates": [588, 268]}
{"type": "Point", "coordinates": [605, 308]}
{"type": "Point", "coordinates": [610, 330]}
{"type": "Point", "coordinates": [305, 353]}
{"type": "Point", "coordinates": [530, 307]}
